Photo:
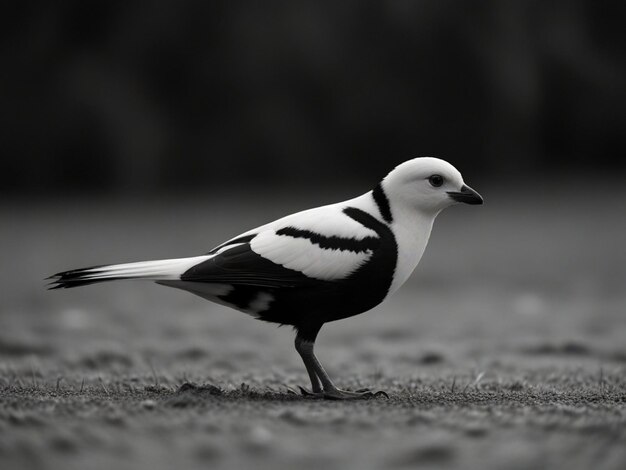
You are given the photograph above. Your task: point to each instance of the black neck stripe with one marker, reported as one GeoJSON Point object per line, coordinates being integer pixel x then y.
{"type": "Point", "coordinates": [367, 221]}
{"type": "Point", "coordinates": [332, 242]}
{"type": "Point", "coordinates": [382, 202]}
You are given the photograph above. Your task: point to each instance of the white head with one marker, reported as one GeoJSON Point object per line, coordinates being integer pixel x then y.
{"type": "Point", "coordinates": [427, 185]}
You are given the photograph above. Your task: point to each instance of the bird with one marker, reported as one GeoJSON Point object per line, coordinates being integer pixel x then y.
{"type": "Point", "coordinates": [315, 266]}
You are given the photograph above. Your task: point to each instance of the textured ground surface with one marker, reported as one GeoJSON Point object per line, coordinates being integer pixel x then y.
{"type": "Point", "coordinates": [506, 349]}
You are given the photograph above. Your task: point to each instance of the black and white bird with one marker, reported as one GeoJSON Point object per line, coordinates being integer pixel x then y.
{"type": "Point", "coordinates": [314, 266]}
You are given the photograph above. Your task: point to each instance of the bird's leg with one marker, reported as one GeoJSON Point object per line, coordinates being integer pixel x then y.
{"type": "Point", "coordinates": [303, 350]}
{"type": "Point", "coordinates": [317, 374]}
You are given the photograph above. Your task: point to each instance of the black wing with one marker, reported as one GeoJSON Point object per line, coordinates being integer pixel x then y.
{"type": "Point", "coordinates": [242, 266]}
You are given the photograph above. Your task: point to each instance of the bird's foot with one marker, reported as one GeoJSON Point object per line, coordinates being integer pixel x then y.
{"type": "Point", "coordinates": [338, 394]}
{"type": "Point", "coordinates": [308, 393]}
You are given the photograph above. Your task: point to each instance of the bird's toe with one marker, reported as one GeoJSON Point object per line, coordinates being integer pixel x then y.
{"type": "Point", "coordinates": [338, 394]}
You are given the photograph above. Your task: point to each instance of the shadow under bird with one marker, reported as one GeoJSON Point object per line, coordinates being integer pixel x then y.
{"type": "Point", "coordinates": [314, 266]}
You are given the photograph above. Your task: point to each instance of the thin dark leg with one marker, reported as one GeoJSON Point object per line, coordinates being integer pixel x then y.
{"type": "Point", "coordinates": [322, 385]}
{"type": "Point", "coordinates": [305, 349]}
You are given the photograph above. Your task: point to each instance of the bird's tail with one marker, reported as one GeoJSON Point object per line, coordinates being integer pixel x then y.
{"type": "Point", "coordinates": [159, 270]}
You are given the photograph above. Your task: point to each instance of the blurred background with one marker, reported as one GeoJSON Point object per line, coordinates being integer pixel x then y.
{"type": "Point", "coordinates": [123, 96]}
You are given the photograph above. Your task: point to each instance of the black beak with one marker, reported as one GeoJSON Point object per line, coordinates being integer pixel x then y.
{"type": "Point", "coordinates": [467, 195]}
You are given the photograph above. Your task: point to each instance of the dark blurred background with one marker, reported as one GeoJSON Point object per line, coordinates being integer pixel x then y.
{"type": "Point", "coordinates": [130, 96]}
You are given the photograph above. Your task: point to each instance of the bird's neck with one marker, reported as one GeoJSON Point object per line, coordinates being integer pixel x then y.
{"type": "Point", "coordinates": [411, 229]}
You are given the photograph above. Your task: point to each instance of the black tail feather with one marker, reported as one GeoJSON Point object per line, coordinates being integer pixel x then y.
{"type": "Point", "coordinates": [76, 278]}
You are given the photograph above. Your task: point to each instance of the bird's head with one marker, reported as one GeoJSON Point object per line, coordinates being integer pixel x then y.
{"type": "Point", "coordinates": [428, 185]}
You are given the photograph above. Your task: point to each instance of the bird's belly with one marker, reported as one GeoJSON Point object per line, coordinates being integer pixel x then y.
{"type": "Point", "coordinates": [316, 305]}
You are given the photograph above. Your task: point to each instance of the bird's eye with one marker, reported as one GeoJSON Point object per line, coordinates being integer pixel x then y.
{"type": "Point", "coordinates": [436, 180]}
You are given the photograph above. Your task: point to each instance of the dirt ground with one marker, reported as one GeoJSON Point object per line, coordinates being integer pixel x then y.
{"type": "Point", "coordinates": [506, 349]}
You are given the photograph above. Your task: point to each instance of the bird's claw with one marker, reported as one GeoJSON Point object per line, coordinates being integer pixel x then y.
{"type": "Point", "coordinates": [338, 394]}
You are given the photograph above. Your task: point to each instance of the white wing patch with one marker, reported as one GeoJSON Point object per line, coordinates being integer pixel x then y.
{"type": "Point", "coordinates": [300, 254]}
{"type": "Point", "coordinates": [328, 221]}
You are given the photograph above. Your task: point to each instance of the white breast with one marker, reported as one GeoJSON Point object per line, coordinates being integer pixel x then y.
{"type": "Point", "coordinates": [412, 232]}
